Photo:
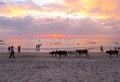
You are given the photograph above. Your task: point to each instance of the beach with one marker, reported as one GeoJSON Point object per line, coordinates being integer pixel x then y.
{"type": "Point", "coordinates": [41, 67]}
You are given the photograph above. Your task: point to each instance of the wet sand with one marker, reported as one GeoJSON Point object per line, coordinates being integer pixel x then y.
{"type": "Point", "coordinates": [41, 67]}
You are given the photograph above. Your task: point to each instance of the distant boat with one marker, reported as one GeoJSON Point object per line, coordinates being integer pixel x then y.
{"type": "Point", "coordinates": [114, 42]}
{"type": "Point", "coordinates": [2, 43]}
{"type": "Point", "coordinates": [92, 42]}
{"type": "Point", "coordinates": [55, 43]}
{"type": "Point", "coordinates": [1, 40]}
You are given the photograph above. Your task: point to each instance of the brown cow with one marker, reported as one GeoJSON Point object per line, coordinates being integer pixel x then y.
{"type": "Point", "coordinates": [113, 52]}
{"type": "Point", "coordinates": [80, 52]}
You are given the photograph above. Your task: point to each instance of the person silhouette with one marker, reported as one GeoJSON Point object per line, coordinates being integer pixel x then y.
{"type": "Point", "coordinates": [101, 48]}
{"type": "Point", "coordinates": [19, 49]}
{"type": "Point", "coordinates": [12, 52]}
{"type": "Point", "coordinates": [118, 48]}
{"type": "Point", "coordinates": [38, 47]}
{"type": "Point", "coordinates": [9, 49]}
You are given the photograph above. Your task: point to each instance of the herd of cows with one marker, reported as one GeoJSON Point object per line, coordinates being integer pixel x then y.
{"type": "Point", "coordinates": [79, 53]}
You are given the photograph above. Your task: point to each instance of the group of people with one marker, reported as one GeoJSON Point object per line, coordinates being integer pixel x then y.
{"type": "Point", "coordinates": [12, 52]}
{"type": "Point", "coordinates": [38, 47]}
{"type": "Point", "coordinates": [116, 48]}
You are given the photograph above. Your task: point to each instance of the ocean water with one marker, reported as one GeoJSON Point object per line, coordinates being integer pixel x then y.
{"type": "Point", "coordinates": [29, 45]}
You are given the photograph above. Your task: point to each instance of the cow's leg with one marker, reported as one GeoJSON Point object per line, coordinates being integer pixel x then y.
{"type": "Point", "coordinates": [77, 55]}
{"type": "Point", "coordinates": [111, 56]}
{"type": "Point", "coordinates": [87, 55]}
{"type": "Point", "coordinates": [70, 55]}
{"type": "Point", "coordinates": [55, 55]}
{"type": "Point", "coordinates": [64, 55]}
{"type": "Point", "coordinates": [67, 55]}
{"type": "Point", "coordinates": [60, 55]}
{"type": "Point", "coordinates": [52, 55]}
{"type": "Point", "coordinates": [117, 55]}
{"type": "Point", "coordinates": [81, 55]}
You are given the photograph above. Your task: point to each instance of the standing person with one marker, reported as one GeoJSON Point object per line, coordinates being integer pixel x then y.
{"type": "Point", "coordinates": [39, 47]}
{"type": "Point", "coordinates": [118, 48]}
{"type": "Point", "coordinates": [101, 48]}
{"type": "Point", "coordinates": [36, 48]}
{"type": "Point", "coordinates": [115, 48]}
{"type": "Point", "coordinates": [9, 49]}
{"type": "Point", "coordinates": [19, 49]}
{"type": "Point", "coordinates": [12, 52]}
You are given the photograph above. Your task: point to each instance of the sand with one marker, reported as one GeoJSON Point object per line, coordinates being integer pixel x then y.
{"type": "Point", "coordinates": [40, 67]}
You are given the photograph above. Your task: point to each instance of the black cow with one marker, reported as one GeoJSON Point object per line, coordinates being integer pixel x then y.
{"type": "Point", "coordinates": [113, 52]}
{"type": "Point", "coordinates": [80, 52]}
{"type": "Point", "coordinates": [72, 53]}
{"type": "Point", "coordinates": [53, 53]}
{"type": "Point", "coordinates": [62, 53]}
{"type": "Point", "coordinates": [59, 53]}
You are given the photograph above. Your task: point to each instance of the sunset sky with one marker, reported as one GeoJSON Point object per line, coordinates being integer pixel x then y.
{"type": "Point", "coordinates": [60, 18]}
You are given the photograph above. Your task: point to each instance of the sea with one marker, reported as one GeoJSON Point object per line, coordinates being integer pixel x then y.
{"type": "Point", "coordinates": [51, 44]}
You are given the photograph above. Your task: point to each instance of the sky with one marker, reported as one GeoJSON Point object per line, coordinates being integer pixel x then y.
{"type": "Point", "coordinates": [60, 19]}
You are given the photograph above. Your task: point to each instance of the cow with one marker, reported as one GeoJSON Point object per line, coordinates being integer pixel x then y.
{"type": "Point", "coordinates": [53, 53]}
{"type": "Point", "coordinates": [59, 53]}
{"type": "Point", "coordinates": [62, 53]}
{"type": "Point", "coordinates": [72, 53]}
{"type": "Point", "coordinates": [113, 52]}
{"type": "Point", "coordinates": [85, 51]}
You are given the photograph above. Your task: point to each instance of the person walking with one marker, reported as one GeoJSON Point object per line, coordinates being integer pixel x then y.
{"type": "Point", "coordinates": [9, 49]}
{"type": "Point", "coordinates": [12, 52]}
{"type": "Point", "coordinates": [19, 49]}
{"type": "Point", "coordinates": [36, 48]}
{"type": "Point", "coordinates": [101, 48]}
{"type": "Point", "coordinates": [39, 45]}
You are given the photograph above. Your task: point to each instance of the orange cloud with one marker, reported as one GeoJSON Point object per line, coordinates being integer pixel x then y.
{"type": "Point", "coordinates": [17, 9]}
{"type": "Point", "coordinates": [11, 11]}
{"type": "Point", "coordinates": [97, 9]}
{"type": "Point", "coordinates": [108, 5]}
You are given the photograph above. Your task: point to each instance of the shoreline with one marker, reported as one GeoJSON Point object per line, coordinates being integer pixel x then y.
{"type": "Point", "coordinates": [92, 55]}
